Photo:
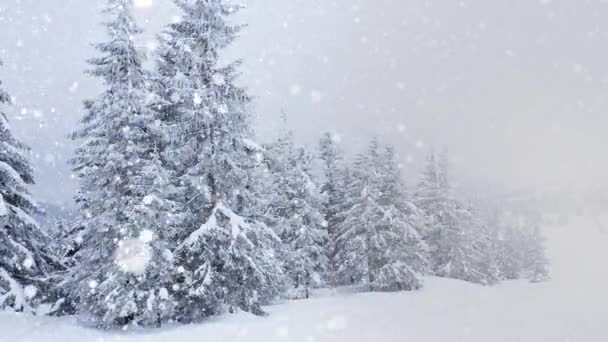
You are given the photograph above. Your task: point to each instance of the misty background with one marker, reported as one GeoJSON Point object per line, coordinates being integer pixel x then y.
{"type": "Point", "coordinates": [515, 89]}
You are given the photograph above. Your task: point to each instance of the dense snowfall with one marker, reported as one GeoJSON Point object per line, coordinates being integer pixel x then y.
{"type": "Point", "coordinates": [184, 215]}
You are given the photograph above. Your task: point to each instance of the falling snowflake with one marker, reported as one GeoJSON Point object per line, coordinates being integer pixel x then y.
{"type": "Point", "coordinates": [133, 255]}
{"type": "Point", "coordinates": [30, 291]}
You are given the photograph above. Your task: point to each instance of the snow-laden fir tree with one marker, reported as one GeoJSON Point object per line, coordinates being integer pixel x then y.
{"type": "Point", "coordinates": [430, 196]}
{"type": "Point", "coordinates": [376, 244]}
{"type": "Point", "coordinates": [350, 244]}
{"type": "Point", "coordinates": [333, 171]}
{"type": "Point", "coordinates": [404, 260]}
{"type": "Point", "coordinates": [481, 242]}
{"type": "Point", "coordinates": [26, 259]}
{"type": "Point", "coordinates": [336, 180]}
{"type": "Point", "coordinates": [536, 264]}
{"type": "Point", "coordinates": [226, 255]}
{"type": "Point", "coordinates": [521, 249]}
{"type": "Point", "coordinates": [459, 244]}
{"type": "Point", "coordinates": [296, 209]}
{"type": "Point", "coordinates": [307, 239]}
{"type": "Point", "coordinates": [274, 180]}
{"type": "Point", "coordinates": [123, 268]}
{"type": "Point", "coordinates": [491, 214]}
{"type": "Point", "coordinates": [508, 255]}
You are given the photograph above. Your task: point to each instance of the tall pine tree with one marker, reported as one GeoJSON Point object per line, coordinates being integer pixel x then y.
{"type": "Point", "coordinates": [123, 270]}
{"type": "Point", "coordinates": [296, 208]}
{"type": "Point", "coordinates": [536, 265]}
{"type": "Point", "coordinates": [459, 244]}
{"type": "Point", "coordinates": [226, 255]}
{"type": "Point", "coordinates": [26, 259]}
{"type": "Point", "coordinates": [521, 250]}
{"type": "Point", "coordinates": [376, 245]}
{"type": "Point", "coordinates": [334, 179]}
{"type": "Point", "coordinates": [403, 260]}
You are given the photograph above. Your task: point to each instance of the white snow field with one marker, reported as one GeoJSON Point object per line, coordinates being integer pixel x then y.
{"type": "Point", "coordinates": [573, 306]}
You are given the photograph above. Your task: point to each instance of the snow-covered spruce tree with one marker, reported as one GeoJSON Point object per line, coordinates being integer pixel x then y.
{"type": "Point", "coordinates": [404, 260]}
{"type": "Point", "coordinates": [350, 245]}
{"type": "Point", "coordinates": [482, 246]}
{"type": "Point", "coordinates": [308, 239]}
{"type": "Point", "coordinates": [123, 267]}
{"type": "Point", "coordinates": [430, 197]}
{"type": "Point", "coordinates": [276, 158]}
{"type": "Point", "coordinates": [375, 243]}
{"type": "Point", "coordinates": [459, 242]}
{"type": "Point", "coordinates": [509, 252]}
{"type": "Point", "coordinates": [334, 182]}
{"type": "Point", "coordinates": [491, 230]}
{"type": "Point", "coordinates": [296, 209]}
{"type": "Point", "coordinates": [337, 179]}
{"type": "Point", "coordinates": [26, 258]}
{"type": "Point", "coordinates": [536, 265]}
{"type": "Point", "coordinates": [507, 260]}
{"type": "Point", "coordinates": [226, 255]}
{"type": "Point", "coordinates": [522, 251]}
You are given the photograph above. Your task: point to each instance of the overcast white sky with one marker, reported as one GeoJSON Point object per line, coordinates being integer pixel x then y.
{"type": "Point", "coordinates": [517, 89]}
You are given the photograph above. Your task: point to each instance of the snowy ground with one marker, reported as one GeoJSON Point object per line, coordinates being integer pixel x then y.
{"type": "Point", "coordinates": [573, 306]}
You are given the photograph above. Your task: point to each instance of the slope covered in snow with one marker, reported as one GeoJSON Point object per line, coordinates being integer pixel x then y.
{"type": "Point", "coordinates": [570, 307]}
